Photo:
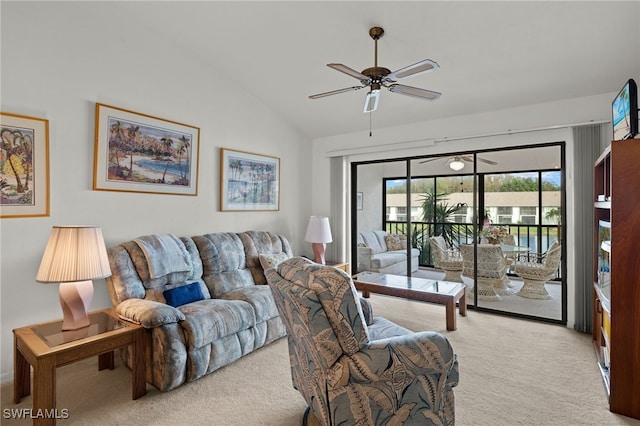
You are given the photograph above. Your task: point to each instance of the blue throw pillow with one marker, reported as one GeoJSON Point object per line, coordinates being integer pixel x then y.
{"type": "Point", "coordinates": [182, 295]}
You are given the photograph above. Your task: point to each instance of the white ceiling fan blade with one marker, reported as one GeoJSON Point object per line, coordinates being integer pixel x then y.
{"type": "Point", "coordinates": [335, 92]}
{"type": "Point", "coordinates": [415, 69]}
{"type": "Point", "coordinates": [414, 92]}
{"type": "Point", "coordinates": [484, 160]}
{"type": "Point", "coordinates": [428, 160]}
{"type": "Point", "coordinates": [350, 71]}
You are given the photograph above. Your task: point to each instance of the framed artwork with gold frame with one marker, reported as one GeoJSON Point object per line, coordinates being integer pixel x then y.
{"type": "Point", "coordinates": [249, 181]}
{"type": "Point", "coordinates": [24, 166]}
{"type": "Point", "coordinates": [140, 153]}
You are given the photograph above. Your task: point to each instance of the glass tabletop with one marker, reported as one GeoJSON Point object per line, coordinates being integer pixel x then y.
{"type": "Point", "coordinates": [411, 283]}
{"type": "Point", "coordinates": [100, 322]}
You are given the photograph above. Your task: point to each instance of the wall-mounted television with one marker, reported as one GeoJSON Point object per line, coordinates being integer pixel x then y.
{"type": "Point", "coordinates": [624, 112]}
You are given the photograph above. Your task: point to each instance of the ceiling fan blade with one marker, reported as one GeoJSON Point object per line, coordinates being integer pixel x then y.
{"type": "Point", "coordinates": [430, 159]}
{"type": "Point", "coordinates": [467, 158]}
{"type": "Point", "coordinates": [414, 92]}
{"type": "Point", "coordinates": [335, 92]}
{"type": "Point", "coordinates": [415, 69]}
{"type": "Point", "coordinates": [484, 160]}
{"type": "Point", "coordinates": [350, 71]}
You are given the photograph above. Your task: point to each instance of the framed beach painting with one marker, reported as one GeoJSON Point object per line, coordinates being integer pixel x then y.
{"type": "Point", "coordinates": [139, 153]}
{"type": "Point", "coordinates": [24, 166]}
{"type": "Point", "coordinates": [248, 181]}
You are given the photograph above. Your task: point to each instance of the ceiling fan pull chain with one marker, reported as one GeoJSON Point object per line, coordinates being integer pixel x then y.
{"type": "Point", "coordinates": [370, 133]}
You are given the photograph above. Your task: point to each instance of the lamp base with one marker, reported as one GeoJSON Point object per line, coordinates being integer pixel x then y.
{"type": "Point", "coordinates": [318, 252]}
{"type": "Point", "coordinates": [75, 298]}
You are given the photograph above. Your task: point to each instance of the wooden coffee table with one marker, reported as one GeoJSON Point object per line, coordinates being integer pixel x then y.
{"type": "Point", "coordinates": [440, 292]}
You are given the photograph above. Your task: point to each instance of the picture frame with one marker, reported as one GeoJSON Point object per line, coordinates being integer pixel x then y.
{"type": "Point", "coordinates": [359, 200]}
{"type": "Point", "coordinates": [24, 166]}
{"type": "Point", "coordinates": [137, 152]}
{"type": "Point", "coordinates": [248, 181]}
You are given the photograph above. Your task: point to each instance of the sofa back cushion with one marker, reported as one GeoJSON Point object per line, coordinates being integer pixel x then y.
{"type": "Point", "coordinates": [131, 276]}
{"type": "Point", "coordinates": [375, 240]}
{"type": "Point", "coordinates": [263, 243]}
{"type": "Point", "coordinates": [224, 262]}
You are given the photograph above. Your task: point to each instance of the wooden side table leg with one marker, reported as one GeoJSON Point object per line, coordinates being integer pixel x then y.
{"type": "Point", "coordinates": [451, 313]}
{"type": "Point", "coordinates": [44, 391]}
{"type": "Point", "coordinates": [106, 360]}
{"type": "Point", "coordinates": [21, 374]}
{"type": "Point", "coordinates": [138, 371]}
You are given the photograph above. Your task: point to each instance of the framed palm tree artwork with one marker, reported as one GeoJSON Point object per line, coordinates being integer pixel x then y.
{"type": "Point", "coordinates": [140, 153]}
{"type": "Point", "coordinates": [248, 181]}
{"type": "Point", "coordinates": [24, 166]}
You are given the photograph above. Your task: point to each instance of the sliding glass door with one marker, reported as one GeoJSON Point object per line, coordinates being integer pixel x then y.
{"type": "Point", "coordinates": [459, 196]}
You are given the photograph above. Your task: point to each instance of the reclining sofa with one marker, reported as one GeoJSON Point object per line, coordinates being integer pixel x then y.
{"type": "Point", "coordinates": [202, 300]}
{"type": "Point", "coordinates": [379, 251]}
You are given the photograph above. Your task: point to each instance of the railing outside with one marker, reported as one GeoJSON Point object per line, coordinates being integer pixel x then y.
{"type": "Point", "coordinates": [525, 235]}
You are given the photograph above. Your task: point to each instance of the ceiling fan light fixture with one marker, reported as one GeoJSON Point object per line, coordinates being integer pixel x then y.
{"type": "Point", "coordinates": [456, 164]}
{"type": "Point", "coordinates": [371, 102]}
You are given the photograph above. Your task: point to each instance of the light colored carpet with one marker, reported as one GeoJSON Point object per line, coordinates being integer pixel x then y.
{"type": "Point", "coordinates": [512, 372]}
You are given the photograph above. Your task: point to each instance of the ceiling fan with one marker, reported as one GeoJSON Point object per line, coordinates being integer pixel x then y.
{"type": "Point", "coordinates": [377, 77]}
{"type": "Point", "coordinates": [456, 162]}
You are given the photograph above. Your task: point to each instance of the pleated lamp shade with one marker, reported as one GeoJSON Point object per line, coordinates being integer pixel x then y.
{"type": "Point", "coordinates": [74, 253]}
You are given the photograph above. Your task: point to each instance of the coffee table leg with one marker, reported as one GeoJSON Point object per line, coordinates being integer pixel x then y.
{"type": "Point", "coordinates": [365, 294]}
{"type": "Point", "coordinates": [451, 314]}
{"type": "Point", "coordinates": [462, 303]}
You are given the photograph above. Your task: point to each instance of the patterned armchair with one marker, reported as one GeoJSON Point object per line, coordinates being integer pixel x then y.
{"type": "Point", "coordinates": [449, 260]}
{"type": "Point", "coordinates": [351, 372]}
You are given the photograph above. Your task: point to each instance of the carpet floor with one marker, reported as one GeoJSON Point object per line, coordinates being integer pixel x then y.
{"type": "Point", "coordinates": [512, 372]}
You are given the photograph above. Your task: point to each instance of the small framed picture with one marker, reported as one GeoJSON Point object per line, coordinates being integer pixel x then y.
{"type": "Point", "coordinates": [24, 175]}
{"type": "Point", "coordinates": [249, 181]}
{"type": "Point", "coordinates": [359, 201]}
{"type": "Point", "coordinates": [139, 153]}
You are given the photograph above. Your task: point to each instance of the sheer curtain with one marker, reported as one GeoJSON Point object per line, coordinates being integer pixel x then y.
{"type": "Point", "coordinates": [587, 148]}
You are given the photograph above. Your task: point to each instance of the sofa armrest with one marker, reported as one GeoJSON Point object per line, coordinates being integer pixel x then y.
{"type": "Point", "coordinates": [422, 354]}
{"type": "Point", "coordinates": [148, 313]}
{"type": "Point", "coordinates": [364, 257]}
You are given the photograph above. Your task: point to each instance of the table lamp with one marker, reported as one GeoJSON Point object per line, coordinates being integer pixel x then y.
{"type": "Point", "coordinates": [74, 256]}
{"type": "Point", "coordinates": [318, 234]}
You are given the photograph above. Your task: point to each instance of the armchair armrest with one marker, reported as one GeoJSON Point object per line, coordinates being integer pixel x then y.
{"type": "Point", "coordinates": [420, 354]}
{"type": "Point", "coordinates": [148, 313]}
{"type": "Point", "coordinates": [530, 257]}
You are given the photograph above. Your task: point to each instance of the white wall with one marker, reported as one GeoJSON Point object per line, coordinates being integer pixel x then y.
{"type": "Point", "coordinates": [57, 62]}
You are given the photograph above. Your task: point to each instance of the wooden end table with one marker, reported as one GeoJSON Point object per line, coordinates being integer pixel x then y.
{"type": "Point", "coordinates": [45, 347]}
{"type": "Point", "coordinates": [440, 292]}
{"type": "Point", "coordinates": [338, 265]}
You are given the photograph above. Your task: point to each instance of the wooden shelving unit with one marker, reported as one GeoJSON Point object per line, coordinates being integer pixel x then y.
{"type": "Point", "coordinates": [616, 307]}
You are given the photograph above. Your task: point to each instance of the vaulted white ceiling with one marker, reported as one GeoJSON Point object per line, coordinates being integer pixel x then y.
{"type": "Point", "coordinates": [492, 55]}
